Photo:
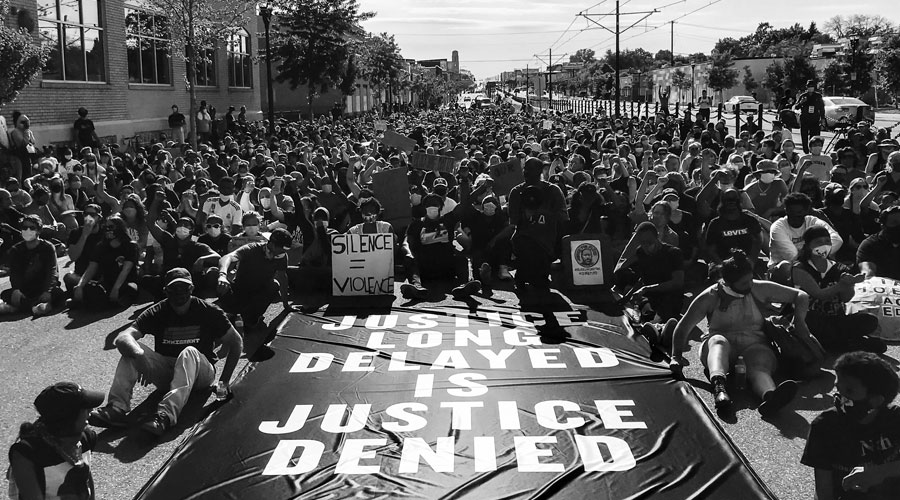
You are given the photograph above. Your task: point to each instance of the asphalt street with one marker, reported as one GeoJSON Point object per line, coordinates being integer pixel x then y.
{"type": "Point", "coordinates": [77, 346]}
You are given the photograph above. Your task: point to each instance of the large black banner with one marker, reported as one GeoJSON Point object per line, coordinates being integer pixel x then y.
{"type": "Point", "coordinates": [444, 403]}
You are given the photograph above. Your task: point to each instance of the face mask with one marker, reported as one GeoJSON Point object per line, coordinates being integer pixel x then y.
{"type": "Point", "coordinates": [856, 410]}
{"type": "Point", "coordinates": [90, 220]}
{"type": "Point", "coordinates": [432, 212]}
{"type": "Point", "coordinates": [182, 233]}
{"type": "Point", "coordinates": [440, 190]}
{"type": "Point", "coordinates": [322, 224]}
{"type": "Point", "coordinates": [56, 188]}
{"type": "Point", "coordinates": [787, 149]}
{"type": "Point", "coordinates": [270, 178]}
{"type": "Point", "coordinates": [214, 232]}
{"type": "Point", "coordinates": [248, 188]}
{"type": "Point", "coordinates": [767, 178]}
{"type": "Point", "coordinates": [725, 187]}
{"type": "Point", "coordinates": [892, 234]}
{"type": "Point", "coordinates": [265, 202]}
{"type": "Point", "coordinates": [68, 157]}
{"type": "Point", "coordinates": [251, 230]}
{"type": "Point", "coordinates": [369, 217]}
{"type": "Point", "coordinates": [29, 234]}
{"type": "Point", "coordinates": [822, 251]}
{"type": "Point", "coordinates": [225, 198]}
{"type": "Point", "coordinates": [326, 188]}
{"type": "Point", "coordinates": [816, 150]}
{"type": "Point", "coordinates": [129, 212]}
{"type": "Point", "coordinates": [490, 209]}
{"type": "Point", "coordinates": [415, 199]}
{"type": "Point", "coordinates": [673, 204]}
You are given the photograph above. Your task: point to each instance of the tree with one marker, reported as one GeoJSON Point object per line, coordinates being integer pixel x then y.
{"type": "Point", "coordinates": [768, 41]}
{"type": "Point", "coordinates": [789, 74]}
{"type": "Point", "coordinates": [681, 80]}
{"type": "Point", "coordinates": [20, 58]}
{"type": "Point", "coordinates": [698, 57]}
{"type": "Point", "coordinates": [313, 42]}
{"type": "Point", "coordinates": [861, 25]}
{"type": "Point", "coordinates": [630, 59]}
{"type": "Point", "coordinates": [380, 61]}
{"type": "Point", "coordinates": [721, 75]}
{"type": "Point", "coordinates": [582, 56]}
{"type": "Point", "coordinates": [348, 80]}
{"type": "Point", "coordinates": [834, 78]}
{"type": "Point", "coordinates": [887, 69]}
{"type": "Point", "coordinates": [193, 28]}
{"type": "Point", "coordinates": [750, 83]}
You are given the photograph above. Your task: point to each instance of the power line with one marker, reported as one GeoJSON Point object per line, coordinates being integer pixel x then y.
{"type": "Point", "coordinates": [564, 32]}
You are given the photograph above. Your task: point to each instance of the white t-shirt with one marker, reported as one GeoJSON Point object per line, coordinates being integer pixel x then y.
{"type": "Point", "coordinates": [230, 213]}
{"type": "Point", "coordinates": [786, 241]}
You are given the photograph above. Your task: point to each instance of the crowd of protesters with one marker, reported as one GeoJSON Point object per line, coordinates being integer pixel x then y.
{"type": "Point", "coordinates": [743, 216]}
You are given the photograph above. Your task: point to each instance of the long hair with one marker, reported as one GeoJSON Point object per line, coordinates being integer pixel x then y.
{"type": "Point", "coordinates": [139, 205]}
{"type": "Point", "coordinates": [121, 229]}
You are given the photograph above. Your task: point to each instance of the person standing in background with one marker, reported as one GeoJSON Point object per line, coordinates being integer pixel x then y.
{"type": "Point", "coordinates": [177, 123]}
{"type": "Point", "coordinates": [85, 133]}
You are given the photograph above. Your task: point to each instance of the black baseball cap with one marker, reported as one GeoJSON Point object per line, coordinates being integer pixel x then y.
{"type": "Point", "coordinates": [61, 400]}
{"type": "Point", "coordinates": [178, 274]}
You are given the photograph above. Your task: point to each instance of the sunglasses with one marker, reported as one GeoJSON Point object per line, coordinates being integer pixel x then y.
{"type": "Point", "coordinates": [29, 228]}
{"type": "Point", "coordinates": [214, 226]}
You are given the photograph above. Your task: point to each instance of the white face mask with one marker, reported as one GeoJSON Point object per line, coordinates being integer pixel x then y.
{"type": "Point", "coordinates": [725, 187]}
{"type": "Point", "coordinates": [225, 198]}
{"type": "Point", "coordinates": [415, 199]}
{"type": "Point", "coordinates": [767, 178]}
{"type": "Point", "coordinates": [29, 234]}
{"type": "Point", "coordinates": [370, 217]}
{"type": "Point", "coordinates": [214, 232]}
{"type": "Point", "coordinates": [816, 150]}
{"type": "Point", "coordinates": [822, 251]}
{"type": "Point", "coordinates": [182, 233]}
{"type": "Point", "coordinates": [265, 202]}
{"type": "Point", "coordinates": [130, 212]}
{"type": "Point", "coordinates": [490, 209]}
{"type": "Point", "coordinates": [251, 230]}
{"type": "Point", "coordinates": [326, 188]}
{"type": "Point", "coordinates": [432, 212]}
{"type": "Point", "coordinates": [90, 220]}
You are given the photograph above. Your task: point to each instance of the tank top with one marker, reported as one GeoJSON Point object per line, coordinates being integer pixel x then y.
{"type": "Point", "coordinates": [741, 315]}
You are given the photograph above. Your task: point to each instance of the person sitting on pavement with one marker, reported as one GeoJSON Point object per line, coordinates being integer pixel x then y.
{"type": "Point", "coordinates": [82, 242]}
{"type": "Point", "coordinates": [658, 268]}
{"type": "Point", "coordinates": [187, 332]}
{"type": "Point", "coordinates": [214, 237]}
{"type": "Point", "coordinates": [879, 254]}
{"type": "Point", "coordinates": [250, 222]}
{"type": "Point", "coordinates": [10, 225]}
{"type": "Point", "coordinates": [50, 229]}
{"type": "Point", "coordinates": [830, 286]}
{"type": "Point", "coordinates": [224, 206]}
{"type": "Point", "coordinates": [490, 232]}
{"type": "Point", "coordinates": [51, 457]}
{"type": "Point", "coordinates": [313, 274]}
{"type": "Point", "coordinates": [854, 447]}
{"type": "Point", "coordinates": [786, 233]}
{"type": "Point", "coordinates": [111, 275]}
{"type": "Point", "coordinates": [260, 277]}
{"type": "Point", "coordinates": [370, 209]}
{"type": "Point", "coordinates": [733, 229]}
{"type": "Point", "coordinates": [33, 273]}
{"type": "Point", "coordinates": [21, 198]}
{"type": "Point", "coordinates": [732, 308]}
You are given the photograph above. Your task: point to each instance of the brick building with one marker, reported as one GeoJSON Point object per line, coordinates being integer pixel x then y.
{"type": "Point", "coordinates": [107, 57]}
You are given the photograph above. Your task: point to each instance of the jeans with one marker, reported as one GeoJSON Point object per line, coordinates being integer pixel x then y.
{"type": "Point", "coordinates": [181, 375]}
{"type": "Point", "coordinates": [808, 129]}
{"type": "Point", "coordinates": [250, 304]}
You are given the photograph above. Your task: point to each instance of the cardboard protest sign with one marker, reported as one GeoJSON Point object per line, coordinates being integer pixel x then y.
{"type": "Point", "coordinates": [425, 161]}
{"type": "Point", "coordinates": [507, 175]}
{"type": "Point", "coordinates": [548, 124]}
{"type": "Point", "coordinates": [392, 139]}
{"type": "Point", "coordinates": [456, 154]}
{"type": "Point", "coordinates": [362, 264]}
{"type": "Point", "coordinates": [380, 125]}
{"type": "Point", "coordinates": [391, 187]}
{"type": "Point", "coordinates": [444, 402]}
{"type": "Point", "coordinates": [880, 297]}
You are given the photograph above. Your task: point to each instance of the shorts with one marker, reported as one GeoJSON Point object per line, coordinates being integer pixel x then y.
{"type": "Point", "coordinates": [739, 343]}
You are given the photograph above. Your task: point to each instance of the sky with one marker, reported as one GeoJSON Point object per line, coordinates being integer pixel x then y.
{"type": "Point", "coordinates": [500, 35]}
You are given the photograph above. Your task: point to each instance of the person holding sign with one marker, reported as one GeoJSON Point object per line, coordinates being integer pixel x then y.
{"type": "Point", "coordinates": [536, 209]}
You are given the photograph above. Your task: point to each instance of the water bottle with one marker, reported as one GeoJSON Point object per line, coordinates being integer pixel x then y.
{"type": "Point", "coordinates": [740, 373]}
{"type": "Point", "coordinates": [221, 391]}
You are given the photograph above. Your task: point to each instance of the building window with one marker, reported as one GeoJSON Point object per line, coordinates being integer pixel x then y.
{"type": "Point", "coordinates": [239, 74]}
{"type": "Point", "coordinates": [72, 30]}
{"type": "Point", "coordinates": [147, 43]}
{"type": "Point", "coordinates": [206, 69]}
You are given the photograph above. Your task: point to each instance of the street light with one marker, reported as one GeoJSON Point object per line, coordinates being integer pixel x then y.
{"type": "Point", "coordinates": [265, 11]}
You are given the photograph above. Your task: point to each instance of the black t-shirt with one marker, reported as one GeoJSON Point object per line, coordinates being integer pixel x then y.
{"type": "Point", "coordinates": [833, 306]}
{"type": "Point", "coordinates": [727, 235]}
{"type": "Point", "coordinates": [56, 477]}
{"type": "Point", "coordinates": [658, 267]}
{"type": "Point", "coordinates": [218, 245]}
{"type": "Point", "coordinates": [111, 259]}
{"type": "Point", "coordinates": [33, 270]}
{"type": "Point", "coordinates": [431, 241]}
{"type": "Point", "coordinates": [838, 444]}
{"type": "Point", "coordinates": [483, 228]}
{"type": "Point", "coordinates": [881, 252]}
{"type": "Point", "coordinates": [255, 271]}
{"type": "Point", "coordinates": [84, 129]}
{"type": "Point", "coordinates": [199, 327]}
{"type": "Point", "coordinates": [181, 255]}
{"type": "Point", "coordinates": [90, 244]}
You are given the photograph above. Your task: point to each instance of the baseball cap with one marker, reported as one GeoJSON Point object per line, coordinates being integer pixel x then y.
{"type": "Point", "coordinates": [60, 400]}
{"type": "Point", "coordinates": [767, 166]}
{"type": "Point", "coordinates": [178, 275]}
{"type": "Point", "coordinates": [889, 143]}
{"type": "Point", "coordinates": [439, 181]}
{"type": "Point", "coordinates": [670, 192]}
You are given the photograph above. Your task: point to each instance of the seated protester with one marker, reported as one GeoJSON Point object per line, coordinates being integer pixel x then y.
{"type": "Point", "coordinates": [50, 229]}
{"type": "Point", "coordinates": [815, 163]}
{"type": "Point", "coordinates": [180, 250]}
{"type": "Point", "coordinates": [225, 207]}
{"type": "Point", "coordinates": [111, 275]}
{"type": "Point", "coordinates": [892, 180]}
{"type": "Point", "coordinates": [370, 208]}
{"type": "Point", "coordinates": [51, 457]}
{"type": "Point", "coordinates": [75, 190]}
{"type": "Point", "coordinates": [829, 285]}
{"type": "Point", "coordinates": [430, 241]}
{"type": "Point", "coordinates": [259, 278]}
{"type": "Point", "coordinates": [265, 202]}
{"type": "Point", "coordinates": [20, 197]}
{"type": "Point", "coordinates": [82, 243]}
{"type": "Point", "coordinates": [247, 194]}
{"type": "Point", "coordinates": [732, 230]}
{"type": "Point", "coordinates": [709, 198]}
{"type": "Point", "coordinates": [766, 190]}
{"type": "Point", "coordinates": [657, 267]}
{"type": "Point", "coordinates": [732, 308]}
{"type": "Point", "coordinates": [440, 188]}
{"type": "Point", "coordinates": [848, 224]}
{"type": "Point", "coordinates": [10, 220]}
{"type": "Point", "coordinates": [855, 446]}
{"type": "Point", "coordinates": [786, 233]}
{"type": "Point", "coordinates": [250, 234]}
{"type": "Point", "coordinates": [683, 224]}
{"type": "Point", "coordinates": [214, 237]}
{"type": "Point", "coordinates": [62, 205]}
{"type": "Point", "coordinates": [490, 233]}
{"type": "Point", "coordinates": [32, 273]}
{"type": "Point", "coordinates": [332, 198]}
{"type": "Point", "coordinates": [879, 254]}
{"type": "Point", "coordinates": [660, 217]}
{"type": "Point", "coordinates": [314, 271]}
{"type": "Point", "coordinates": [187, 332]}
{"type": "Point", "coordinates": [847, 169]}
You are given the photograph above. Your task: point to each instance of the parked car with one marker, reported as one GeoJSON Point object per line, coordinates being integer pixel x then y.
{"type": "Point", "coordinates": [846, 109]}
{"type": "Point", "coordinates": [484, 103]}
{"type": "Point", "coordinates": [747, 104]}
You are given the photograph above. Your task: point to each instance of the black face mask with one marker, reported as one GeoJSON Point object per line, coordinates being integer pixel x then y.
{"type": "Point", "coordinates": [440, 190]}
{"type": "Point", "coordinates": [892, 234]}
{"type": "Point", "coordinates": [855, 410]}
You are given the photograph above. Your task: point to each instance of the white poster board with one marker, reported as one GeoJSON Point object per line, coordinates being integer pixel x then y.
{"type": "Point", "coordinates": [362, 264]}
{"type": "Point", "coordinates": [380, 125]}
{"type": "Point", "coordinates": [587, 264]}
{"type": "Point", "coordinates": [879, 297]}
{"type": "Point", "coordinates": [548, 124]}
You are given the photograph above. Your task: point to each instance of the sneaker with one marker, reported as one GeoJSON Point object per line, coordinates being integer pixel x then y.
{"type": "Point", "coordinates": [484, 274]}
{"type": "Point", "coordinates": [722, 399]}
{"type": "Point", "coordinates": [108, 416]}
{"type": "Point", "coordinates": [410, 291]}
{"type": "Point", "coordinates": [41, 309]}
{"type": "Point", "coordinates": [6, 308]}
{"type": "Point", "coordinates": [503, 272]}
{"type": "Point", "coordinates": [868, 344]}
{"type": "Point", "coordinates": [158, 425]}
{"type": "Point", "coordinates": [467, 290]}
{"type": "Point", "coordinates": [776, 399]}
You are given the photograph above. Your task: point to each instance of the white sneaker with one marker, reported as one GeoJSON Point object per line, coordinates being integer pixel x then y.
{"type": "Point", "coordinates": [503, 272]}
{"type": "Point", "coordinates": [6, 308]}
{"type": "Point", "coordinates": [41, 309]}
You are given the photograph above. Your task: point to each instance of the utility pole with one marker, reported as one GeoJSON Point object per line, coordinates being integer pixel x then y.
{"type": "Point", "coordinates": [549, 63]}
{"type": "Point", "coordinates": [617, 33]}
{"type": "Point", "coordinates": [672, 44]}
